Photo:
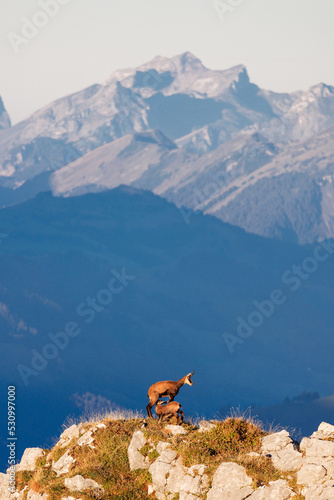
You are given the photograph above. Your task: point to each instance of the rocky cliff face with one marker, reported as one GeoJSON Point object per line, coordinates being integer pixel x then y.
{"type": "Point", "coordinates": [254, 158]}
{"type": "Point", "coordinates": [151, 460]}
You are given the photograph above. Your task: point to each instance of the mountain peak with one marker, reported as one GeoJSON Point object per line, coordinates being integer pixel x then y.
{"type": "Point", "coordinates": [176, 64]}
{"type": "Point", "coordinates": [187, 61]}
{"type": "Point", "coordinates": [4, 117]}
{"type": "Point", "coordinates": [238, 73]}
{"type": "Point", "coordinates": [322, 90]}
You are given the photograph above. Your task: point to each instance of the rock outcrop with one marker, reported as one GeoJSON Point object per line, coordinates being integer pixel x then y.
{"type": "Point", "coordinates": [78, 435]}
{"type": "Point", "coordinates": [170, 477]}
{"type": "Point", "coordinates": [317, 472]}
{"type": "Point", "coordinates": [283, 451]}
{"type": "Point", "coordinates": [136, 459]}
{"type": "Point", "coordinates": [312, 462]}
{"type": "Point", "coordinates": [305, 469]}
{"type": "Point", "coordinates": [230, 482]}
{"type": "Point", "coordinates": [62, 466]}
{"type": "Point", "coordinates": [29, 458]}
{"type": "Point", "coordinates": [79, 483]}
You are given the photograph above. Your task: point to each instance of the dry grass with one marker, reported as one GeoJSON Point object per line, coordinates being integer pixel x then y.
{"type": "Point", "coordinates": [229, 441]}
{"type": "Point", "coordinates": [223, 443]}
{"type": "Point", "coordinates": [58, 451]}
{"type": "Point", "coordinates": [22, 478]}
{"type": "Point", "coordinates": [107, 464]}
{"type": "Point", "coordinates": [94, 417]}
{"type": "Point", "coordinates": [246, 414]}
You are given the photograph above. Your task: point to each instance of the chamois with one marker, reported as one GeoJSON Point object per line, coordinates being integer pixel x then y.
{"type": "Point", "coordinates": [167, 410]}
{"type": "Point", "coordinates": [168, 388]}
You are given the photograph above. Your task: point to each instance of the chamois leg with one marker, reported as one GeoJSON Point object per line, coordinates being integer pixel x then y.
{"type": "Point", "coordinates": [149, 409]}
{"type": "Point", "coordinates": [180, 417]}
{"type": "Point", "coordinates": [152, 402]}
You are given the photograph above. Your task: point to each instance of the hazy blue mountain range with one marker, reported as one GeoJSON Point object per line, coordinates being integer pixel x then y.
{"type": "Point", "coordinates": [297, 414]}
{"type": "Point", "coordinates": [207, 139]}
{"type": "Point", "coordinates": [127, 253]}
{"type": "Point", "coordinates": [177, 290]}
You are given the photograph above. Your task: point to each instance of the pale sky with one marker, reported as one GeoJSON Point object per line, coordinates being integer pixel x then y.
{"type": "Point", "coordinates": [286, 45]}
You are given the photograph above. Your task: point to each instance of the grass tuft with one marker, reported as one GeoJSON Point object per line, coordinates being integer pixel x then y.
{"type": "Point", "coordinates": [107, 463]}
{"type": "Point", "coordinates": [225, 442]}
{"type": "Point", "coordinates": [95, 417]}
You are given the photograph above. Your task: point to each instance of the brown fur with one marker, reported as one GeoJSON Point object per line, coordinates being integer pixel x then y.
{"type": "Point", "coordinates": [168, 410]}
{"type": "Point", "coordinates": [168, 388]}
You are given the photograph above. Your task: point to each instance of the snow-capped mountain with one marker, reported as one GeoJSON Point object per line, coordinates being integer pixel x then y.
{"type": "Point", "coordinates": [206, 139]}
{"type": "Point", "coordinates": [300, 114]}
{"type": "Point", "coordinates": [176, 96]}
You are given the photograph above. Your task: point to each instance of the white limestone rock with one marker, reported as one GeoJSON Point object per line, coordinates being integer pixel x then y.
{"type": "Point", "coordinates": [176, 429]}
{"type": "Point", "coordinates": [62, 466]}
{"type": "Point", "coordinates": [167, 456]}
{"type": "Point", "coordinates": [188, 496]}
{"type": "Point", "coordinates": [310, 474]}
{"type": "Point", "coordinates": [70, 498]}
{"type": "Point", "coordinates": [162, 471]}
{"type": "Point", "coordinates": [230, 482]}
{"type": "Point", "coordinates": [136, 459]}
{"type": "Point", "coordinates": [324, 491]}
{"type": "Point", "coordinates": [287, 460]}
{"type": "Point", "coordinates": [277, 442]}
{"type": "Point", "coordinates": [4, 486]}
{"type": "Point", "coordinates": [161, 446]}
{"type": "Point", "coordinates": [86, 438]}
{"type": "Point", "coordinates": [70, 433]}
{"type": "Point", "coordinates": [150, 489]}
{"type": "Point", "coordinates": [33, 495]}
{"type": "Point", "coordinates": [317, 447]}
{"type": "Point", "coordinates": [176, 477]}
{"type": "Point", "coordinates": [197, 469]}
{"type": "Point", "coordinates": [159, 471]}
{"type": "Point", "coordinates": [101, 425]}
{"type": "Point", "coordinates": [325, 431]}
{"type": "Point", "coordinates": [277, 490]}
{"type": "Point", "coordinates": [191, 484]}
{"type": "Point", "coordinates": [205, 426]}
{"type": "Point", "coordinates": [29, 457]}
{"type": "Point", "coordinates": [79, 483]}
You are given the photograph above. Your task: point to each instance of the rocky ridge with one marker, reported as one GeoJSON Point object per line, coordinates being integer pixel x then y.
{"type": "Point", "coordinates": [304, 470]}
{"type": "Point", "coordinates": [209, 140]}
